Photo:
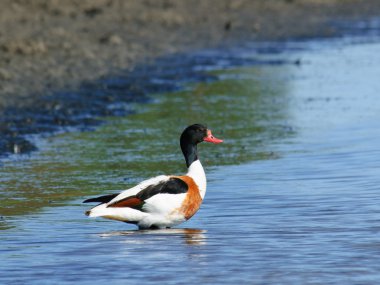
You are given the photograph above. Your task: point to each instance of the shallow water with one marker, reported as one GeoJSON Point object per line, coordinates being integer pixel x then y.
{"type": "Point", "coordinates": [293, 193]}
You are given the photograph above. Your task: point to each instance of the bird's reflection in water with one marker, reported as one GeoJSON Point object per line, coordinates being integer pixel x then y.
{"type": "Point", "coordinates": [194, 237]}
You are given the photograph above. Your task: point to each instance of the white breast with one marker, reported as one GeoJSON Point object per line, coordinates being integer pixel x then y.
{"type": "Point", "coordinates": [196, 172]}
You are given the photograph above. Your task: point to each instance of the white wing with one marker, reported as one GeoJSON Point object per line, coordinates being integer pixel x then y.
{"type": "Point", "coordinates": [142, 185]}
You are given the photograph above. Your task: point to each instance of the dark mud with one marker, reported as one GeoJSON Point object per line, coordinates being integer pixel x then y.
{"type": "Point", "coordinates": [49, 45]}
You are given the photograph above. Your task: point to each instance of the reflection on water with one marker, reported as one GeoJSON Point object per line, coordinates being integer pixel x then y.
{"type": "Point", "coordinates": [293, 193]}
{"type": "Point", "coordinates": [190, 236]}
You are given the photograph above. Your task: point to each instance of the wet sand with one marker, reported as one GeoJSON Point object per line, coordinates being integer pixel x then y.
{"type": "Point", "coordinates": [47, 46]}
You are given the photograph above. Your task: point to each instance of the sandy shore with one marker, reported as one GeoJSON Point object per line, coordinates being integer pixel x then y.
{"type": "Point", "coordinates": [50, 45]}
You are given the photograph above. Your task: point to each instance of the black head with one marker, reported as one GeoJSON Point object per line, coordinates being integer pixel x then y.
{"type": "Point", "coordinates": [192, 136]}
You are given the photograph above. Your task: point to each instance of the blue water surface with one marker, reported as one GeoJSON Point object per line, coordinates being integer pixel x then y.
{"type": "Point", "coordinates": [310, 214]}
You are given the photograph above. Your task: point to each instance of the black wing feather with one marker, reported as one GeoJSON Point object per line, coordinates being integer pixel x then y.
{"type": "Point", "coordinates": [172, 186]}
{"type": "Point", "coordinates": [101, 199]}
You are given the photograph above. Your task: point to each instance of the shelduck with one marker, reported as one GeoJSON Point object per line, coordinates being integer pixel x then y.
{"type": "Point", "coordinates": [166, 200]}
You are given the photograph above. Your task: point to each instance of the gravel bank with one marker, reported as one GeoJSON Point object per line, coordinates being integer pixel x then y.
{"type": "Point", "coordinates": [47, 45]}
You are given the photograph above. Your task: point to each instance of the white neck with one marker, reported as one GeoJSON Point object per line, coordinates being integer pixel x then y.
{"type": "Point", "coordinates": [196, 172]}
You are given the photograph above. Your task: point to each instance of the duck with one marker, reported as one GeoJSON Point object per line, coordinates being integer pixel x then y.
{"type": "Point", "coordinates": [163, 201]}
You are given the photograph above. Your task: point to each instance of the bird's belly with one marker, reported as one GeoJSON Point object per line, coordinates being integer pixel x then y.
{"type": "Point", "coordinates": [156, 221]}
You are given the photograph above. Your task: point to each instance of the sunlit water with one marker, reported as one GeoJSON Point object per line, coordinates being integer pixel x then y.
{"type": "Point", "coordinates": [293, 193]}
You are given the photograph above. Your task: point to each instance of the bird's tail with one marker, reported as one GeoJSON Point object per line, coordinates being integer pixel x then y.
{"type": "Point", "coordinates": [119, 214]}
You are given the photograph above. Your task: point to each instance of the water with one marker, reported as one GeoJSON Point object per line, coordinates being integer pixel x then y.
{"type": "Point", "coordinates": [293, 193]}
